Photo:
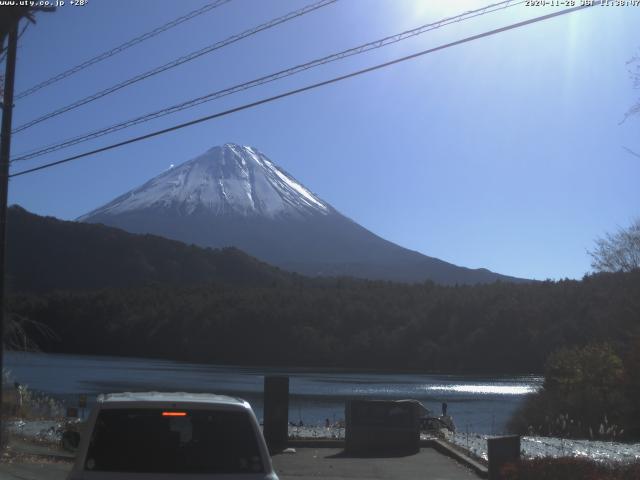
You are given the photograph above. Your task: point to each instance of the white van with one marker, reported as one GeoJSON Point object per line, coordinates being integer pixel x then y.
{"type": "Point", "coordinates": [172, 436]}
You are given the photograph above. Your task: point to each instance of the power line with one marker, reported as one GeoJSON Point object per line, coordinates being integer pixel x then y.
{"type": "Point", "coordinates": [269, 78]}
{"type": "Point", "coordinates": [121, 48]}
{"type": "Point", "coordinates": [306, 88]}
{"type": "Point", "coordinates": [179, 61]}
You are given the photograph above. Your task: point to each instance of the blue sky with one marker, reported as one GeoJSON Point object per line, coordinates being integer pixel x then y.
{"type": "Point", "coordinates": [506, 153]}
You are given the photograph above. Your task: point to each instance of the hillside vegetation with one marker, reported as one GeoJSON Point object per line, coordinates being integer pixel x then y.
{"type": "Point", "coordinates": [46, 254]}
{"type": "Point", "coordinates": [122, 294]}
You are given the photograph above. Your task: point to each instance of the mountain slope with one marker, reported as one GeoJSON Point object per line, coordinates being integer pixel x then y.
{"type": "Point", "coordinates": [236, 196]}
{"type": "Point", "coordinates": [47, 254]}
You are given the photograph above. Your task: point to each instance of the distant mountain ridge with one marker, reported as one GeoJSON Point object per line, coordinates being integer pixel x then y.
{"type": "Point", "coordinates": [235, 196]}
{"type": "Point", "coordinates": [46, 254]}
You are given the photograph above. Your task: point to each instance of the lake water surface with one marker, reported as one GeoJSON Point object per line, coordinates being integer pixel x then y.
{"type": "Point", "coordinates": [480, 404]}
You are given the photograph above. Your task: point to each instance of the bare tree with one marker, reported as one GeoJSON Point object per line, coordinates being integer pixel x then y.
{"type": "Point", "coordinates": [619, 251]}
{"type": "Point", "coordinates": [18, 330]}
{"type": "Point", "coordinates": [634, 73]}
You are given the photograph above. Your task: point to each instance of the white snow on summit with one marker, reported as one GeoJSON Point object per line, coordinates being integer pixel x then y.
{"type": "Point", "coordinates": [228, 179]}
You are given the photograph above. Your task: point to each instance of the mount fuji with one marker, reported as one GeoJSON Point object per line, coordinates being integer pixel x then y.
{"type": "Point", "coordinates": [235, 196]}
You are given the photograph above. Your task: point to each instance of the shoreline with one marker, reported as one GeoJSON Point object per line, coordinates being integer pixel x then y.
{"type": "Point", "coordinates": [48, 432]}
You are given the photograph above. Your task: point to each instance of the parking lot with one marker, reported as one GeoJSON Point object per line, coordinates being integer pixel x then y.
{"type": "Point", "coordinates": [326, 463]}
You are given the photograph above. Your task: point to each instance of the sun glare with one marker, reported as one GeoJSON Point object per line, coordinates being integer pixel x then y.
{"type": "Point", "coordinates": [436, 9]}
{"type": "Point", "coordinates": [486, 389]}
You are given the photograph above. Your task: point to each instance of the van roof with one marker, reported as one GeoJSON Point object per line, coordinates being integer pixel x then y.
{"type": "Point", "coordinates": [172, 397]}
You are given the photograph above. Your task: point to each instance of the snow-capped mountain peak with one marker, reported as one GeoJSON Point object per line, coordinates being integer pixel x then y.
{"type": "Point", "coordinates": [228, 179]}
{"type": "Point", "coordinates": [234, 196]}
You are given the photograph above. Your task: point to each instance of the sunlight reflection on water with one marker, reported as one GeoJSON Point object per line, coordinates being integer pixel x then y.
{"type": "Point", "coordinates": [485, 389]}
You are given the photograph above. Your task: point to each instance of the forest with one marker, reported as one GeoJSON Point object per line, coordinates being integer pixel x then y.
{"type": "Point", "coordinates": [492, 328]}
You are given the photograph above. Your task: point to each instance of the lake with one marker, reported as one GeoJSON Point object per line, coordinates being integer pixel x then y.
{"type": "Point", "coordinates": [481, 404]}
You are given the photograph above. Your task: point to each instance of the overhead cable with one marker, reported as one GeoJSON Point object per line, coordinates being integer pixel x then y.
{"type": "Point", "coordinates": [303, 89]}
{"type": "Point", "coordinates": [174, 63]}
{"type": "Point", "coordinates": [383, 42]}
{"type": "Point", "coordinates": [120, 48]}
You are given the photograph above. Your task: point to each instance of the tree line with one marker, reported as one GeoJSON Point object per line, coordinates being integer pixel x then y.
{"type": "Point", "coordinates": [342, 322]}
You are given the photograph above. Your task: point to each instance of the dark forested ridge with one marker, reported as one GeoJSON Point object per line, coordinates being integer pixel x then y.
{"type": "Point", "coordinates": [105, 291]}
{"type": "Point", "coordinates": [499, 327]}
{"type": "Point", "coordinates": [46, 254]}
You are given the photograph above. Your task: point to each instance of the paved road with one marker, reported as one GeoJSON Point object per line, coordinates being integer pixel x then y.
{"type": "Point", "coordinates": [331, 464]}
{"type": "Point", "coordinates": [325, 463]}
{"type": "Point", "coordinates": [34, 471]}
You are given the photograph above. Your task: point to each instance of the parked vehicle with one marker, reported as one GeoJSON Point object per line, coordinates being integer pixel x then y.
{"type": "Point", "coordinates": [178, 435]}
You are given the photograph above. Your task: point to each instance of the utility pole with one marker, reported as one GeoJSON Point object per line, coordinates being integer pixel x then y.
{"type": "Point", "coordinates": [5, 152]}
{"type": "Point", "coordinates": [9, 21]}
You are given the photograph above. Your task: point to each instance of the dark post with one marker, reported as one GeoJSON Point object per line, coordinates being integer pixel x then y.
{"type": "Point", "coordinates": [501, 451]}
{"type": "Point", "coordinates": [276, 412]}
{"type": "Point", "coordinates": [5, 151]}
{"type": "Point", "coordinates": [82, 404]}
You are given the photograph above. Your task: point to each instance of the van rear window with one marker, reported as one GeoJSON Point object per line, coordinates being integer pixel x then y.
{"type": "Point", "coordinates": [173, 441]}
